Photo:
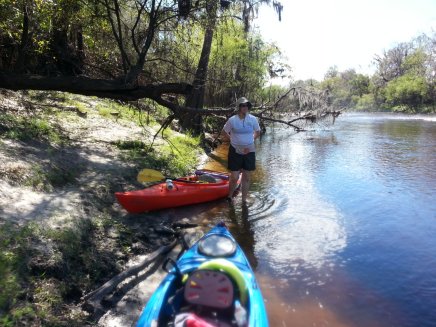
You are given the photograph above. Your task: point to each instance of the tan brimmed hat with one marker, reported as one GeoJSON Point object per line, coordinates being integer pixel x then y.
{"type": "Point", "coordinates": [242, 101]}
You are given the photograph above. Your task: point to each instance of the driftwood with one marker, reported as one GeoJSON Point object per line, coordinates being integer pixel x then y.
{"type": "Point", "coordinates": [93, 299]}
{"type": "Point", "coordinates": [183, 225]}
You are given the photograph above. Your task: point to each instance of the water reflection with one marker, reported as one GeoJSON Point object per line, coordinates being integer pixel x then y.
{"type": "Point", "coordinates": [242, 230]}
{"type": "Point", "coordinates": [404, 150]}
{"type": "Point", "coordinates": [302, 230]}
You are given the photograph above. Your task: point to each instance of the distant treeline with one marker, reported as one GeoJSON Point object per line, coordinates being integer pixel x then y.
{"type": "Point", "coordinates": [404, 80]}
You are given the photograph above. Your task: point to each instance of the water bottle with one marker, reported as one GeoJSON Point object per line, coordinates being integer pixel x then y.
{"type": "Point", "coordinates": [240, 314]}
{"type": "Point", "coordinates": [170, 184]}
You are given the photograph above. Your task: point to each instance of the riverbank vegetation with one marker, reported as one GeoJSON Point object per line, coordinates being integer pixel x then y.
{"type": "Point", "coordinates": [62, 234]}
{"type": "Point", "coordinates": [404, 80]}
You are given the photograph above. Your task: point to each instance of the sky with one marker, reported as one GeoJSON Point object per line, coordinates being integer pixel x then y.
{"type": "Point", "coordinates": [317, 34]}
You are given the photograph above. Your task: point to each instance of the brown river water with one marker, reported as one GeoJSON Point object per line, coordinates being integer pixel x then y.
{"type": "Point", "coordinates": [340, 226]}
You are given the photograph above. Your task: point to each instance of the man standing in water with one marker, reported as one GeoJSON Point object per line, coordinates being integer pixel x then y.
{"type": "Point", "coordinates": [242, 129]}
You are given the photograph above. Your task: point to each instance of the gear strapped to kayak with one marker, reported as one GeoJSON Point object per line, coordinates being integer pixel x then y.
{"type": "Point", "coordinates": [212, 287]}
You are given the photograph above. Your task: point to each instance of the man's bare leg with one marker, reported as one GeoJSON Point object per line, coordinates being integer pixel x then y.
{"type": "Point", "coordinates": [234, 176]}
{"type": "Point", "coordinates": [245, 184]}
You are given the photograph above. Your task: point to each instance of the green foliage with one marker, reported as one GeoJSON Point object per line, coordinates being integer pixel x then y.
{"type": "Point", "coordinates": [104, 111]}
{"type": "Point", "coordinates": [181, 153]}
{"type": "Point", "coordinates": [359, 85]}
{"type": "Point", "coordinates": [409, 90]}
{"type": "Point", "coordinates": [415, 63]}
{"type": "Point", "coordinates": [366, 103]}
{"type": "Point", "coordinates": [25, 129]}
{"type": "Point", "coordinates": [79, 106]}
{"type": "Point", "coordinates": [9, 286]}
{"type": "Point", "coordinates": [78, 37]}
{"type": "Point", "coordinates": [130, 145]}
{"type": "Point", "coordinates": [239, 61]}
{"type": "Point", "coordinates": [45, 179]}
{"type": "Point", "coordinates": [404, 80]}
{"type": "Point", "coordinates": [271, 93]}
{"type": "Point", "coordinates": [332, 72]}
{"type": "Point", "coordinates": [50, 96]}
{"type": "Point", "coordinates": [40, 52]}
{"type": "Point", "coordinates": [342, 88]}
{"type": "Point", "coordinates": [125, 112]}
{"type": "Point", "coordinates": [175, 157]}
{"type": "Point", "coordinates": [138, 116]}
{"type": "Point", "coordinates": [18, 316]}
{"type": "Point", "coordinates": [10, 18]}
{"type": "Point", "coordinates": [58, 177]}
{"type": "Point", "coordinates": [75, 249]}
{"type": "Point", "coordinates": [240, 64]}
{"type": "Point", "coordinates": [44, 269]}
{"type": "Point", "coordinates": [14, 255]}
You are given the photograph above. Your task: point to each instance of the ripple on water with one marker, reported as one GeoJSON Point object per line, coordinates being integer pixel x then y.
{"type": "Point", "coordinates": [296, 231]}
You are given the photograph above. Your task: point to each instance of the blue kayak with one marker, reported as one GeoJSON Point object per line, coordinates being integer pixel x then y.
{"type": "Point", "coordinates": [211, 284]}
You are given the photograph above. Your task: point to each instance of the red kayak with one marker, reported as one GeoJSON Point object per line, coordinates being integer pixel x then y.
{"type": "Point", "coordinates": [175, 193]}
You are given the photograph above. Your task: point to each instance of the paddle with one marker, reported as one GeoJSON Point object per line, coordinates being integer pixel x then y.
{"type": "Point", "coordinates": [149, 175]}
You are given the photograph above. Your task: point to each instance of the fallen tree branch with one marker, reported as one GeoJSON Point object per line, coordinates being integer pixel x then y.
{"type": "Point", "coordinates": [310, 100]}
{"type": "Point", "coordinates": [162, 128]}
{"type": "Point", "coordinates": [94, 298]}
{"type": "Point", "coordinates": [183, 225]}
{"type": "Point", "coordinates": [112, 89]}
{"type": "Point", "coordinates": [288, 123]}
{"type": "Point", "coordinates": [274, 106]}
{"type": "Point", "coordinates": [178, 109]}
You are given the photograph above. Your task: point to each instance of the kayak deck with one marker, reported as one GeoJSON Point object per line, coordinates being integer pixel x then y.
{"type": "Point", "coordinates": [168, 304]}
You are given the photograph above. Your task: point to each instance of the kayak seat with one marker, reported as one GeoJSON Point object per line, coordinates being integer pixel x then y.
{"type": "Point", "coordinates": [208, 179]}
{"type": "Point", "coordinates": [209, 288]}
{"type": "Point", "coordinates": [232, 271]}
{"type": "Point", "coordinates": [208, 297]}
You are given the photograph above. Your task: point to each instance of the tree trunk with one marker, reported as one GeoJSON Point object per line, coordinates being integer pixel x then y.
{"type": "Point", "coordinates": [136, 69]}
{"type": "Point", "coordinates": [20, 65]}
{"type": "Point", "coordinates": [195, 99]}
{"type": "Point", "coordinates": [80, 46]}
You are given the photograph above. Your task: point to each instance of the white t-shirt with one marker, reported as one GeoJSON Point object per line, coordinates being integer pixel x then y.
{"type": "Point", "coordinates": [241, 131]}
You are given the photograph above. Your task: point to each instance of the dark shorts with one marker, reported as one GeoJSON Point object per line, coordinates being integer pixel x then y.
{"type": "Point", "coordinates": [238, 161]}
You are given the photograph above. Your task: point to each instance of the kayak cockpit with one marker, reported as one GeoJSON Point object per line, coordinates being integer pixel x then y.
{"type": "Point", "coordinates": [200, 179]}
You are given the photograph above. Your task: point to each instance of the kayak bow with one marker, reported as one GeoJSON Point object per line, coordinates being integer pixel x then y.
{"type": "Point", "coordinates": [212, 284]}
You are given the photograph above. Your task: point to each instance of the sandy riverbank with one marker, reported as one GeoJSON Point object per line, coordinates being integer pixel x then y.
{"type": "Point", "coordinates": [61, 162]}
